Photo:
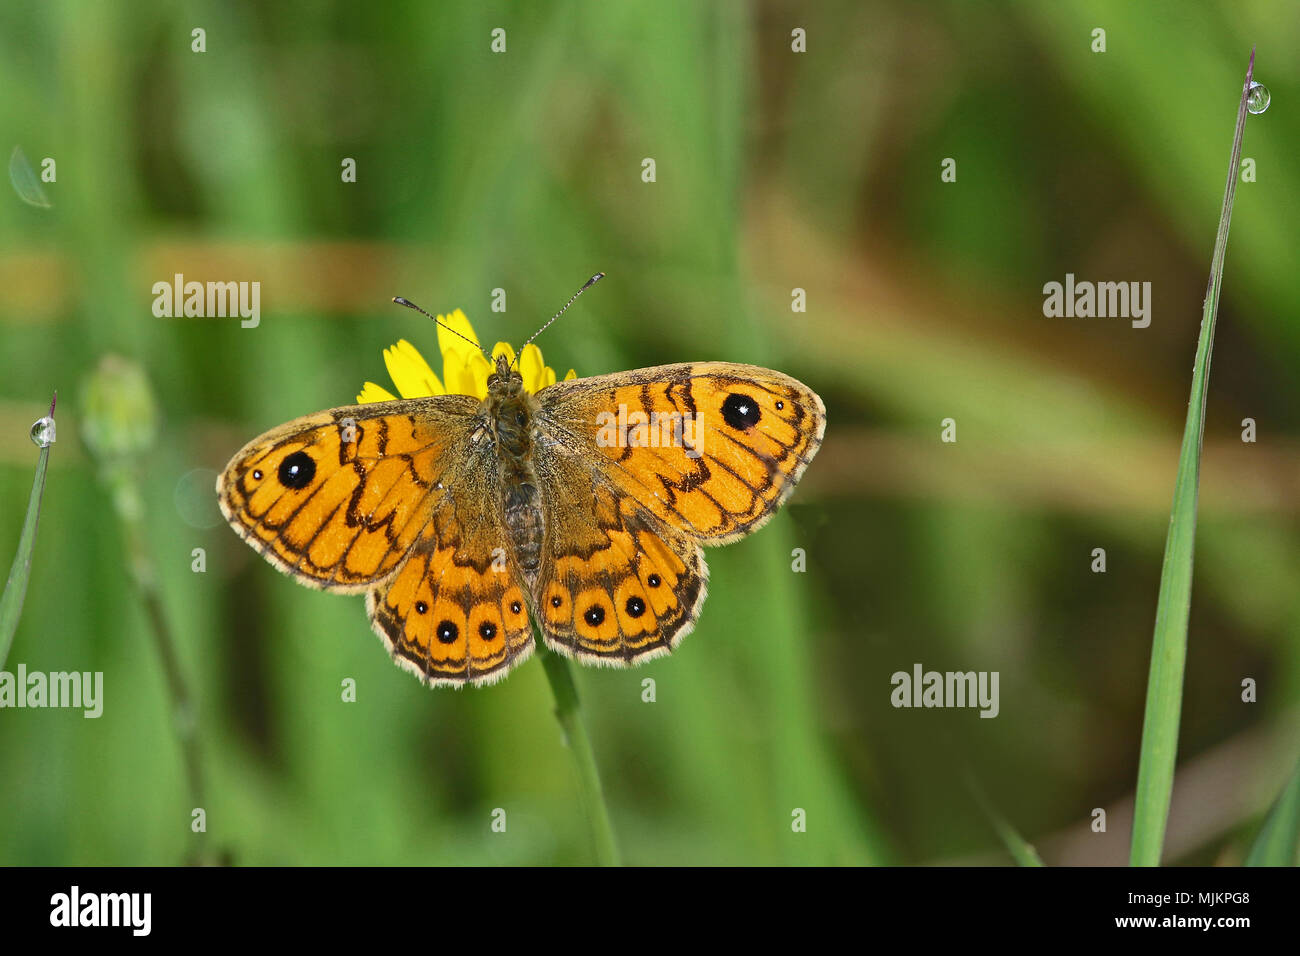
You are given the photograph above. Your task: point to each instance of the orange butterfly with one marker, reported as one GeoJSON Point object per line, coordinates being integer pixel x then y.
{"type": "Point", "coordinates": [584, 505]}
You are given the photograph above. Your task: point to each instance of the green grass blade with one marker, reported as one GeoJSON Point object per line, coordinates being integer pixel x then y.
{"type": "Point", "coordinates": [1021, 850]}
{"type": "Point", "coordinates": [1279, 840]}
{"type": "Point", "coordinates": [11, 602]}
{"type": "Point", "coordinates": [1169, 644]}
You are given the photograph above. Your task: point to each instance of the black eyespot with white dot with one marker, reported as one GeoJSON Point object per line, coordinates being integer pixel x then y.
{"type": "Point", "coordinates": [297, 470]}
{"type": "Point", "coordinates": [556, 600]}
{"type": "Point", "coordinates": [740, 411]}
{"type": "Point", "coordinates": [635, 606]}
{"type": "Point", "coordinates": [780, 405]}
{"type": "Point", "coordinates": [654, 580]}
{"type": "Point", "coordinates": [421, 607]}
{"type": "Point", "coordinates": [487, 630]}
{"type": "Point", "coordinates": [515, 607]}
{"type": "Point", "coordinates": [594, 615]}
{"type": "Point", "coordinates": [447, 632]}
{"type": "Point", "coordinates": [257, 474]}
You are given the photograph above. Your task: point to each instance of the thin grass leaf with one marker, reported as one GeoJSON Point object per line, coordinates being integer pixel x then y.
{"type": "Point", "coordinates": [1279, 839]}
{"type": "Point", "coordinates": [1169, 645]}
{"type": "Point", "coordinates": [11, 602]}
{"type": "Point", "coordinates": [1021, 850]}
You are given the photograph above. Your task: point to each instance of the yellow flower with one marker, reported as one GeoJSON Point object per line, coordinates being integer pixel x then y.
{"type": "Point", "coordinates": [464, 369]}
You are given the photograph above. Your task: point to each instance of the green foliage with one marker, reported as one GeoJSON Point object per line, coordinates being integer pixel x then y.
{"type": "Point", "coordinates": [1278, 843]}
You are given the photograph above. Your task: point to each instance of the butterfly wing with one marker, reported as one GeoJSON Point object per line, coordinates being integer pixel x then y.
{"type": "Point", "coordinates": [616, 584]}
{"type": "Point", "coordinates": [399, 500]}
{"type": "Point", "coordinates": [710, 448]}
{"type": "Point", "coordinates": [455, 612]}
{"type": "Point", "coordinates": [338, 499]}
{"type": "Point", "coordinates": [640, 468]}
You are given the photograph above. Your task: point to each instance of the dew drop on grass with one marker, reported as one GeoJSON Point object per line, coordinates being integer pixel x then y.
{"type": "Point", "coordinates": [1257, 98]}
{"type": "Point", "coordinates": [43, 432]}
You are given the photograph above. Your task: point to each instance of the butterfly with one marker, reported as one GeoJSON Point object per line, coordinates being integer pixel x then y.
{"type": "Point", "coordinates": [583, 505]}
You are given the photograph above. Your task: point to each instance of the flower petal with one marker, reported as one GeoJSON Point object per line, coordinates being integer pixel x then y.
{"type": "Point", "coordinates": [410, 372]}
{"type": "Point", "coordinates": [532, 368]}
{"type": "Point", "coordinates": [572, 375]}
{"type": "Point", "coordinates": [453, 370]}
{"type": "Point", "coordinates": [455, 350]}
{"type": "Point", "coordinates": [467, 374]}
{"type": "Point", "coordinates": [476, 374]}
{"type": "Point", "coordinates": [458, 323]}
{"type": "Point", "coordinates": [370, 392]}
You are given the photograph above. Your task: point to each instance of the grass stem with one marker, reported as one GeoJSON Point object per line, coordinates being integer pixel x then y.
{"type": "Point", "coordinates": [568, 712]}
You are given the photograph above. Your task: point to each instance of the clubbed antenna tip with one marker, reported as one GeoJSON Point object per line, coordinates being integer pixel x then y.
{"type": "Point", "coordinates": [411, 305]}
{"type": "Point", "coordinates": [586, 285]}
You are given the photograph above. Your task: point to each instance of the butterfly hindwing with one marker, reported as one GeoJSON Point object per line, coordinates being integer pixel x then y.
{"type": "Point", "coordinates": [617, 586]}
{"type": "Point", "coordinates": [455, 612]}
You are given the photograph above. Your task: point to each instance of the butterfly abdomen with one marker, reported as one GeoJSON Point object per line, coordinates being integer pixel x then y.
{"type": "Point", "coordinates": [523, 516]}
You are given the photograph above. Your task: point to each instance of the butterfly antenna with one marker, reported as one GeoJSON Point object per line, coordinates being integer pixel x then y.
{"type": "Point", "coordinates": [411, 305]}
{"type": "Point", "coordinates": [586, 285]}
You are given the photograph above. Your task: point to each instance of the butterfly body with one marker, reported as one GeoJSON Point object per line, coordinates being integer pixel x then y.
{"type": "Point", "coordinates": [510, 412]}
{"type": "Point", "coordinates": [584, 505]}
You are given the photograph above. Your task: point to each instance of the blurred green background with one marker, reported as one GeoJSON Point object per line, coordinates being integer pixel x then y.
{"type": "Point", "coordinates": [775, 170]}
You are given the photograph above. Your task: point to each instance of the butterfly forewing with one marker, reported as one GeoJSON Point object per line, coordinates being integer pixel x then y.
{"type": "Point", "coordinates": [337, 499]}
{"type": "Point", "coordinates": [711, 448]}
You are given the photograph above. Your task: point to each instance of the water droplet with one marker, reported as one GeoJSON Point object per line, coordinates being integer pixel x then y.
{"type": "Point", "coordinates": [43, 432]}
{"type": "Point", "coordinates": [25, 181]}
{"type": "Point", "coordinates": [1257, 98]}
